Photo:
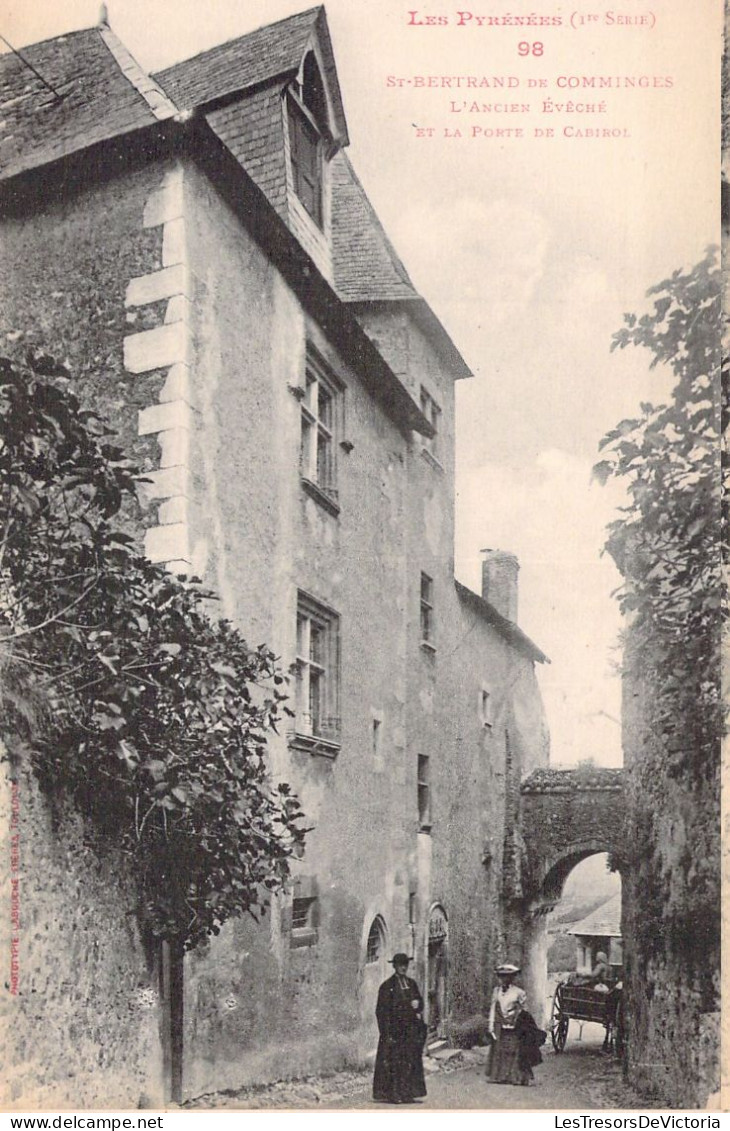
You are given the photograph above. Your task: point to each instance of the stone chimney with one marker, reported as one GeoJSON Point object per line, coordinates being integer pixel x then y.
{"type": "Point", "coordinates": [499, 581]}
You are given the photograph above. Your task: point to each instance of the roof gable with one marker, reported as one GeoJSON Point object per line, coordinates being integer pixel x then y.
{"type": "Point", "coordinates": [273, 52]}
{"type": "Point", "coordinates": [101, 93]}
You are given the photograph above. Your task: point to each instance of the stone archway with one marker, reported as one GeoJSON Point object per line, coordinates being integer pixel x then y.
{"type": "Point", "coordinates": [565, 816]}
{"type": "Point", "coordinates": [558, 867]}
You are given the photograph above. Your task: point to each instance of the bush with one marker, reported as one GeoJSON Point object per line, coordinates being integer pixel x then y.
{"type": "Point", "coordinates": [561, 953]}
{"type": "Point", "coordinates": [155, 716]}
{"type": "Point", "coordinates": [472, 1031]}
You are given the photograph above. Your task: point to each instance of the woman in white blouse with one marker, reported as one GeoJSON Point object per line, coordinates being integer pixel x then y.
{"type": "Point", "coordinates": [508, 1002]}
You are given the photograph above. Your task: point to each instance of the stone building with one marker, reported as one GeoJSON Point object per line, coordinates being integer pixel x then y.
{"type": "Point", "coordinates": [199, 247]}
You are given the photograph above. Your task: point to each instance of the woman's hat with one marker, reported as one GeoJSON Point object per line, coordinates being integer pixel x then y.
{"type": "Point", "coordinates": [507, 968]}
{"type": "Point", "coordinates": [397, 959]}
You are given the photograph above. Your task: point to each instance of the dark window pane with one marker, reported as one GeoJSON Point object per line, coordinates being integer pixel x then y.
{"type": "Point", "coordinates": [301, 915]}
{"type": "Point", "coordinates": [424, 792]}
{"type": "Point", "coordinates": [315, 699]}
{"type": "Point", "coordinates": [324, 459]}
{"type": "Point", "coordinates": [375, 942]}
{"type": "Point", "coordinates": [305, 162]}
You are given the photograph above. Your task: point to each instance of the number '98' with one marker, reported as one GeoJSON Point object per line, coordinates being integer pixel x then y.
{"type": "Point", "coordinates": [525, 48]}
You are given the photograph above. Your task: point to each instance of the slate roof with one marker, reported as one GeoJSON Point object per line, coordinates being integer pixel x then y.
{"type": "Point", "coordinates": [366, 265]}
{"type": "Point", "coordinates": [368, 269]}
{"type": "Point", "coordinates": [263, 54]}
{"type": "Point", "coordinates": [97, 100]}
{"type": "Point", "coordinates": [604, 922]}
{"type": "Point", "coordinates": [506, 628]}
{"type": "Point", "coordinates": [104, 94]}
{"type": "Point", "coordinates": [259, 56]}
{"type": "Point", "coordinates": [255, 138]}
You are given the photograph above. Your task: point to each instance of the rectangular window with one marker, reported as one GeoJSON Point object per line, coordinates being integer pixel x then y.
{"type": "Point", "coordinates": [424, 794]}
{"type": "Point", "coordinates": [321, 430]}
{"type": "Point", "coordinates": [301, 913]}
{"type": "Point", "coordinates": [306, 160]}
{"type": "Point", "coordinates": [317, 670]}
{"type": "Point", "coordinates": [432, 412]}
{"type": "Point", "coordinates": [426, 609]}
{"type": "Point", "coordinates": [304, 912]}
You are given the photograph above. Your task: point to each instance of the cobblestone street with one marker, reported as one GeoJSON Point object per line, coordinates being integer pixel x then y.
{"type": "Point", "coordinates": [580, 1079]}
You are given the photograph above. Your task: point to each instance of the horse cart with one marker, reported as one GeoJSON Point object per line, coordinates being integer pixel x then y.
{"type": "Point", "coordinates": [586, 1003]}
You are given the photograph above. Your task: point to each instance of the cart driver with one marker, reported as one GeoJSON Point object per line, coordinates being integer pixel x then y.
{"type": "Point", "coordinates": [600, 972]}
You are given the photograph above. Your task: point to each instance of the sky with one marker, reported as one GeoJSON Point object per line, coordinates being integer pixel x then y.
{"type": "Point", "coordinates": [530, 248]}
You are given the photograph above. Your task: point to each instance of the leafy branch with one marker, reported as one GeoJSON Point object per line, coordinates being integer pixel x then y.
{"type": "Point", "coordinates": [156, 717]}
{"type": "Point", "coordinates": [668, 541]}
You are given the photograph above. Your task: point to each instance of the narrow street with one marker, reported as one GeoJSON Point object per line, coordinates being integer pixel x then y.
{"type": "Point", "coordinates": [583, 1078]}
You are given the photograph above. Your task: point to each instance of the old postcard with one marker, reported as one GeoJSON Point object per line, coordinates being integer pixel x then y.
{"type": "Point", "coordinates": [398, 328]}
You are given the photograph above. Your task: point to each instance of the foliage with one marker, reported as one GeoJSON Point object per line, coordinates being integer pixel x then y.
{"type": "Point", "coordinates": [473, 1030]}
{"type": "Point", "coordinates": [668, 546]}
{"type": "Point", "coordinates": [561, 952]}
{"type": "Point", "coordinates": [157, 716]}
{"type": "Point", "coordinates": [667, 542]}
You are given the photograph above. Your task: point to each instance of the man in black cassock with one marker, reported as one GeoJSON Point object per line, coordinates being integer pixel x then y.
{"type": "Point", "coordinates": [399, 1065]}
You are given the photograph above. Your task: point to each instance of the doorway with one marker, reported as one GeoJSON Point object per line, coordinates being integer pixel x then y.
{"type": "Point", "coordinates": [437, 971]}
{"type": "Point", "coordinates": [376, 969]}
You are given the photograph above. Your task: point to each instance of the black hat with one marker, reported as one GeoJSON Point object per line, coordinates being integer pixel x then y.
{"type": "Point", "coordinates": [397, 959]}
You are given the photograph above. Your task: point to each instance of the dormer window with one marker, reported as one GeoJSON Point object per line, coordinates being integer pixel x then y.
{"type": "Point", "coordinates": [306, 161]}
{"type": "Point", "coordinates": [308, 129]}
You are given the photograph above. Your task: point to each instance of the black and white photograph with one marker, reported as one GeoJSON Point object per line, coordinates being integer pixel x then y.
{"type": "Point", "coordinates": [361, 556]}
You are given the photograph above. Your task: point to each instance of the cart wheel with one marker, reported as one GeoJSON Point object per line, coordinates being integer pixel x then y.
{"type": "Point", "coordinates": [560, 1034]}
{"type": "Point", "coordinates": [558, 1024]}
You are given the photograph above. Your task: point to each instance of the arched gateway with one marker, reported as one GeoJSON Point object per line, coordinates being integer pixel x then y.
{"type": "Point", "coordinates": [565, 816]}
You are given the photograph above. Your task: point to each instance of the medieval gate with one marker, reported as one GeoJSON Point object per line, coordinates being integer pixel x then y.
{"type": "Point", "coordinates": [565, 816]}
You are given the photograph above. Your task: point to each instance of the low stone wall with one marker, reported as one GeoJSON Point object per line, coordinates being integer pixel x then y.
{"type": "Point", "coordinates": [81, 1007]}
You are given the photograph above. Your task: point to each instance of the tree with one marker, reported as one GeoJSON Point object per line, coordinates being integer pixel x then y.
{"type": "Point", "coordinates": [667, 544]}
{"type": "Point", "coordinates": [153, 717]}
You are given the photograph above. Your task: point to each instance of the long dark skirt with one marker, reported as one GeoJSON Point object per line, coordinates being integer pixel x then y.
{"type": "Point", "coordinates": [398, 1072]}
{"type": "Point", "coordinates": [505, 1067]}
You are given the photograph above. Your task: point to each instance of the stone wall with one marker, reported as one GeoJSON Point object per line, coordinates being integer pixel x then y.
{"type": "Point", "coordinates": [80, 1013]}
{"type": "Point", "coordinates": [671, 915]}
{"type": "Point", "coordinates": [566, 816]}
{"type": "Point", "coordinates": [258, 1008]}
{"type": "Point", "coordinates": [83, 1026]}
{"type": "Point", "coordinates": [473, 786]}
{"type": "Point", "coordinates": [64, 274]}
